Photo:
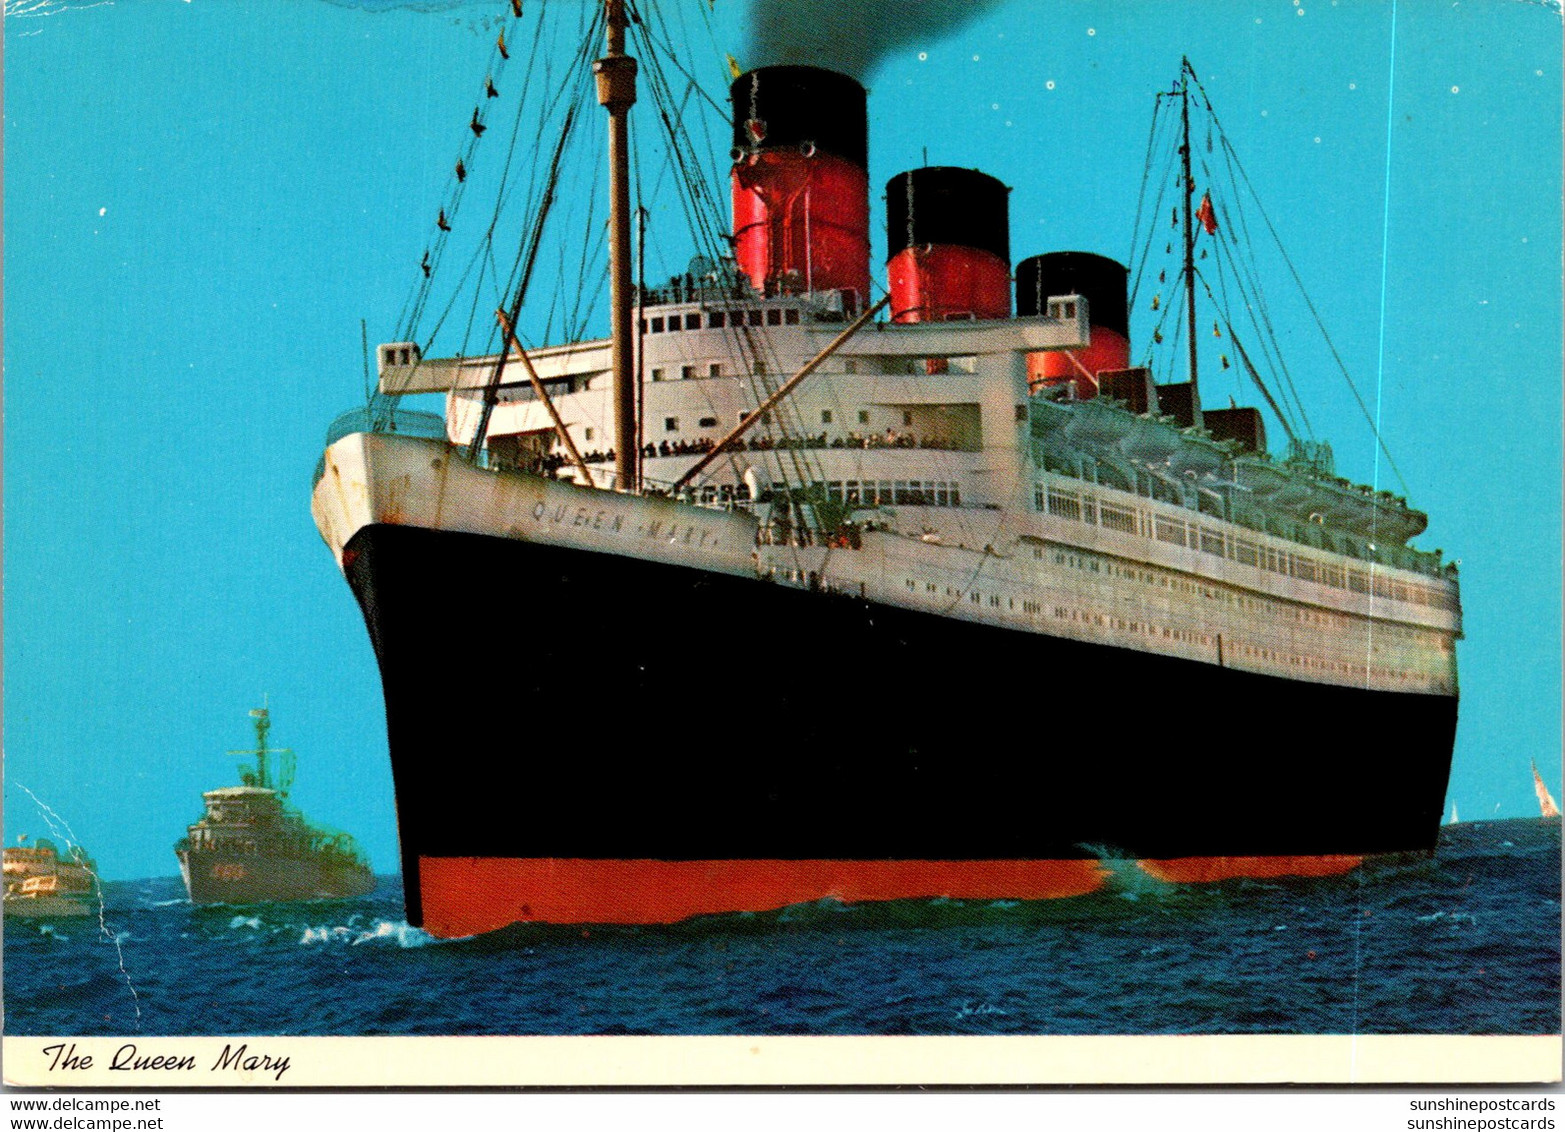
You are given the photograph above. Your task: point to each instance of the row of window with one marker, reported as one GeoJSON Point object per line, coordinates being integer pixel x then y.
{"type": "Point", "coordinates": [828, 416]}
{"type": "Point", "coordinates": [1186, 636]}
{"type": "Point", "coordinates": [688, 373]}
{"type": "Point", "coordinates": [1177, 584]}
{"type": "Point", "coordinates": [724, 493]}
{"type": "Point", "coordinates": [1235, 649]}
{"type": "Point", "coordinates": [925, 366]}
{"type": "Point", "coordinates": [1272, 610]}
{"type": "Point", "coordinates": [888, 493]}
{"type": "Point", "coordinates": [1132, 520]}
{"type": "Point", "coordinates": [717, 320]}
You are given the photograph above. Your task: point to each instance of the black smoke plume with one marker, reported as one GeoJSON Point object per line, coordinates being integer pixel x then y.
{"type": "Point", "coordinates": [851, 36]}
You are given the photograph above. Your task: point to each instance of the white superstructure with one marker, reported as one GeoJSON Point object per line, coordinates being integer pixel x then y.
{"type": "Point", "coordinates": [916, 470]}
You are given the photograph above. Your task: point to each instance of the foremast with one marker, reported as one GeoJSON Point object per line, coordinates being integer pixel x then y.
{"type": "Point", "coordinates": [268, 775]}
{"type": "Point", "coordinates": [616, 82]}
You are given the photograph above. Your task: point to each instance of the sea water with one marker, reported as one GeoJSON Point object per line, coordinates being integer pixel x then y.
{"type": "Point", "coordinates": [1466, 940]}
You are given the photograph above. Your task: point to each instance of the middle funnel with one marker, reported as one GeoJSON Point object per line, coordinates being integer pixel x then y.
{"type": "Point", "coordinates": [948, 245]}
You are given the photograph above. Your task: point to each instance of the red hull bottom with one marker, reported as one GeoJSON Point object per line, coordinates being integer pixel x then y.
{"type": "Point", "coordinates": [1209, 870]}
{"type": "Point", "coordinates": [464, 896]}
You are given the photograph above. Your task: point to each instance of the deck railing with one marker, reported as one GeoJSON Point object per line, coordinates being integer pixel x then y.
{"type": "Point", "coordinates": [400, 422]}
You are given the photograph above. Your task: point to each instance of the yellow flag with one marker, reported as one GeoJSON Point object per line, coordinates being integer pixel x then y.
{"type": "Point", "coordinates": [733, 67]}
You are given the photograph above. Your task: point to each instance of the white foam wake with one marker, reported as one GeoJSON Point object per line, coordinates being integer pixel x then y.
{"type": "Point", "coordinates": [396, 933]}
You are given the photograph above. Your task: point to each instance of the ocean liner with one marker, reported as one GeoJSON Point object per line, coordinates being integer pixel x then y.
{"type": "Point", "coordinates": [764, 599]}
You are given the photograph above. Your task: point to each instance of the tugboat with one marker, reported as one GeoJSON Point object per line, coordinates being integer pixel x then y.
{"type": "Point", "coordinates": [41, 883]}
{"type": "Point", "coordinates": [250, 847]}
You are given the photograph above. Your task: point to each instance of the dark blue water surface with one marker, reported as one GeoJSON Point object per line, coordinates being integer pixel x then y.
{"type": "Point", "coordinates": [1466, 941]}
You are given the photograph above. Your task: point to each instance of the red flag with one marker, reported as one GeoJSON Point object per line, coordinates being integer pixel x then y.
{"type": "Point", "coordinates": [1206, 215]}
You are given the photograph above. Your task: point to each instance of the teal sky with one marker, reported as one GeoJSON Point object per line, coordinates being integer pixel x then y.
{"type": "Point", "coordinates": [203, 200]}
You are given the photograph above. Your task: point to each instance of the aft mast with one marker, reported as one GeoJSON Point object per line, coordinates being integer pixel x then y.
{"type": "Point", "coordinates": [616, 77]}
{"type": "Point", "coordinates": [1189, 189]}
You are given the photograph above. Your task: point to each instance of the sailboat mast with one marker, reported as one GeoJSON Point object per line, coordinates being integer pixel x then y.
{"type": "Point", "coordinates": [1184, 154]}
{"type": "Point", "coordinates": [616, 79]}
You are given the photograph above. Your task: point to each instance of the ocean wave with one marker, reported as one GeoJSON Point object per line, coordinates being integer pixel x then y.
{"type": "Point", "coordinates": [324, 934]}
{"type": "Point", "coordinates": [980, 1010]}
{"type": "Point", "coordinates": [394, 932]}
{"type": "Point", "coordinates": [1179, 959]}
{"type": "Point", "coordinates": [1452, 918]}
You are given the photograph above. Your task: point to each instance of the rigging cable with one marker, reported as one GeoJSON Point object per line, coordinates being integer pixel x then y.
{"type": "Point", "coordinates": [413, 308]}
{"type": "Point", "coordinates": [1229, 256]}
{"type": "Point", "coordinates": [703, 219]}
{"type": "Point", "coordinates": [1247, 274]}
{"type": "Point", "coordinates": [1244, 358]}
{"type": "Point", "coordinates": [492, 389]}
{"type": "Point", "coordinates": [1151, 162]}
{"type": "Point", "coordinates": [1341, 366]}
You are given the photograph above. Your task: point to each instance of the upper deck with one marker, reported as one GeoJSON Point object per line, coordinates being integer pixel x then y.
{"type": "Point", "coordinates": [936, 412]}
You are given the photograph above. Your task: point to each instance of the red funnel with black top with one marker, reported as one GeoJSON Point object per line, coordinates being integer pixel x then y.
{"type": "Point", "coordinates": [801, 182]}
{"type": "Point", "coordinates": [1103, 282]}
{"type": "Point", "coordinates": [948, 245]}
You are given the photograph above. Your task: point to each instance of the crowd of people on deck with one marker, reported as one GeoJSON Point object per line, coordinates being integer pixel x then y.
{"type": "Point", "coordinates": [765, 443]}
{"type": "Point", "coordinates": [551, 462]}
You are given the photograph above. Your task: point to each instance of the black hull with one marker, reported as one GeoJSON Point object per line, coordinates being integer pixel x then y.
{"type": "Point", "coordinates": [610, 708]}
